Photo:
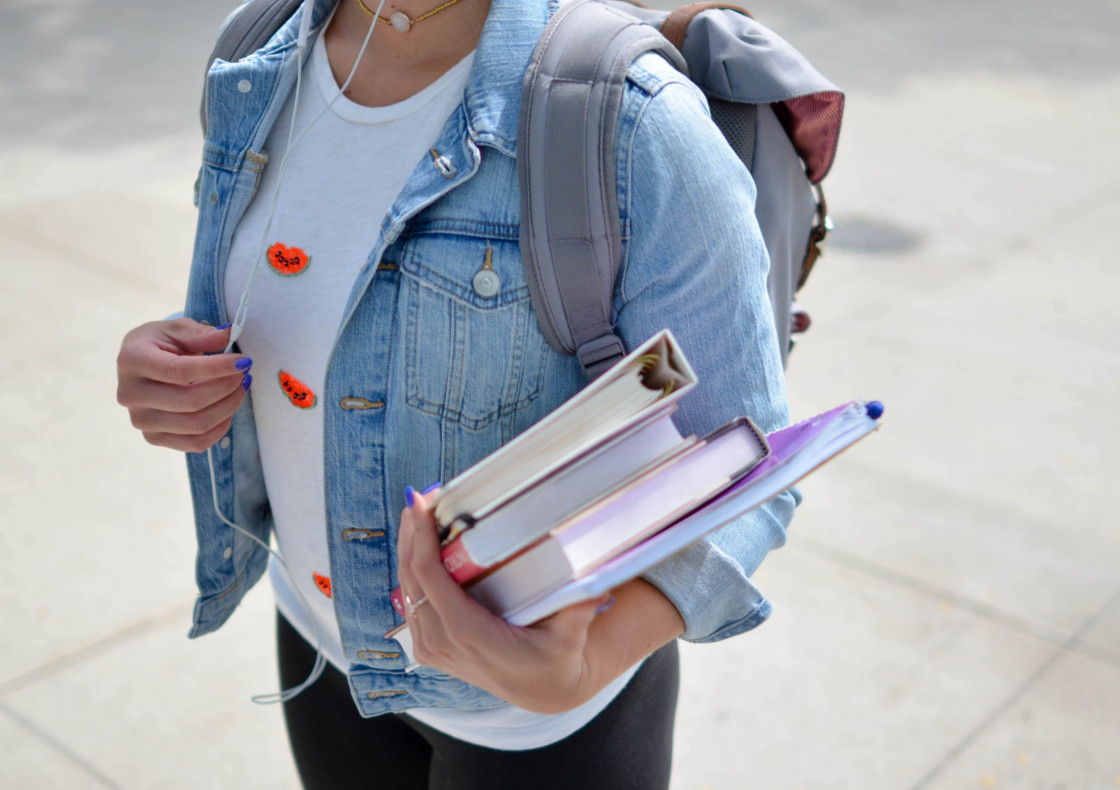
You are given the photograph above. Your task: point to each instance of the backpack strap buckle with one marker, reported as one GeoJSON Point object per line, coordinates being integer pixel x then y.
{"type": "Point", "coordinates": [821, 228]}
{"type": "Point", "coordinates": [596, 356]}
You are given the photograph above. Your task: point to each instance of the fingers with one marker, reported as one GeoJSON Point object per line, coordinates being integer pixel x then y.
{"type": "Point", "coordinates": [444, 594]}
{"type": "Point", "coordinates": [410, 588]}
{"type": "Point", "coordinates": [171, 352]}
{"type": "Point", "coordinates": [182, 398]}
{"type": "Point", "coordinates": [212, 412]}
{"type": "Point", "coordinates": [177, 368]}
{"type": "Point", "coordinates": [176, 394]}
{"type": "Point", "coordinates": [445, 628]}
{"type": "Point", "coordinates": [567, 628]}
{"type": "Point", "coordinates": [190, 444]}
{"type": "Point", "coordinates": [194, 337]}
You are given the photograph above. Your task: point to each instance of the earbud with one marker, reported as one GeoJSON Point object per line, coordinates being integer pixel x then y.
{"type": "Point", "coordinates": [305, 26]}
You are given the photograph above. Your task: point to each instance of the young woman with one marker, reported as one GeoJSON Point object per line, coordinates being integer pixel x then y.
{"type": "Point", "coordinates": [376, 363]}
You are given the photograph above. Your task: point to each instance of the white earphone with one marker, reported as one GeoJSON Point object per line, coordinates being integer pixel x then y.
{"type": "Point", "coordinates": [307, 9]}
{"type": "Point", "coordinates": [305, 27]}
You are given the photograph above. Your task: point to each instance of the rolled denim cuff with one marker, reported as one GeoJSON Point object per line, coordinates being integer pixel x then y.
{"type": "Point", "coordinates": [715, 599]}
{"type": "Point", "coordinates": [709, 581]}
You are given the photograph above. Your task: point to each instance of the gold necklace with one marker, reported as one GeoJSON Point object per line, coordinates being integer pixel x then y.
{"type": "Point", "coordinates": [401, 21]}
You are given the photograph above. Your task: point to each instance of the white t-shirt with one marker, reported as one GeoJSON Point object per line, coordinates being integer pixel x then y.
{"type": "Point", "coordinates": [339, 183]}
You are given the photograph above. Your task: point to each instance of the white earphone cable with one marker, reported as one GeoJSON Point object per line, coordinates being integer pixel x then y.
{"type": "Point", "coordinates": [242, 313]}
{"type": "Point", "coordinates": [320, 658]}
{"type": "Point", "coordinates": [246, 295]}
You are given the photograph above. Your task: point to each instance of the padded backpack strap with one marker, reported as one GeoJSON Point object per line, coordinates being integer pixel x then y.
{"type": "Point", "coordinates": [570, 230]}
{"type": "Point", "coordinates": [246, 30]}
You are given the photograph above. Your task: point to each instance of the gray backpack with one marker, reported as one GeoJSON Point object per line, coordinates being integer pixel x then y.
{"type": "Point", "coordinates": [779, 115]}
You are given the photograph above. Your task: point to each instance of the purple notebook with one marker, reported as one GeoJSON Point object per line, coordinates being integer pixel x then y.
{"type": "Point", "coordinates": [794, 452]}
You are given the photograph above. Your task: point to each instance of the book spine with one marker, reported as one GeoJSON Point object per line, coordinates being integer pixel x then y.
{"type": "Point", "coordinates": [458, 562]}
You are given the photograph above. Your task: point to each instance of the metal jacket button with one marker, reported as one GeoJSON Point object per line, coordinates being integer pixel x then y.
{"type": "Point", "coordinates": [355, 533]}
{"type": "Point", "coordinates": [443, 164]}
{"type": "Point", "coordinates": [366, 654]}
{"type": "Point", "coordinates": [486, 281]}
{"type": "Point", "coordinates": [352, 402]}
{"type": "Point", "coordinates": [380, 694]}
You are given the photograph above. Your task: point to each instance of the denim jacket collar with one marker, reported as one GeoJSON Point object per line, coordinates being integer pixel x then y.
{"type": "Point", "coordinates": [488, 115]}
{"type": "Point", "coordinates": [493, 93]}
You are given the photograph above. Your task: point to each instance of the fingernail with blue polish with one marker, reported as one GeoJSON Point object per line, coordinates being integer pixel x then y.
{"type": "Point", "coordinates": [410, 495]}
{"type": "Point", "coordinates": [246, 380]}
{"type": "Point", "coordinates": [606, 606]}
{"type": "Point", "coordinates": [244, 363]}
{"type": "Point", "coordinates": [431, 488]}
{"type": "Point", "coordinates": [224, 326]}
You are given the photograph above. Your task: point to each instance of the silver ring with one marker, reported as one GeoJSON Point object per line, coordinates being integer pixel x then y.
{"type": "Point", "coordinates": [411, 606]}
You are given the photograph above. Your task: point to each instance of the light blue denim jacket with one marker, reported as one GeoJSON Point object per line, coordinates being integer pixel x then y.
{"type": "Point", "coordinates": [428, 376]}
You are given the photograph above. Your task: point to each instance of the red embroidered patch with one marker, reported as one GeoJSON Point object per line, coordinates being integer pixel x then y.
{"type": "Point", "coordinates": [323, 583]}
{"type": "Point", "coordinates": [298, 393]}
{"type": "Point", "coordinates": [287, 260]}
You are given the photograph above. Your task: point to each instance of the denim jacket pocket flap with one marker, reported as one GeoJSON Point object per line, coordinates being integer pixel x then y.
{"type": "Point", "coordinates": [484, 271]}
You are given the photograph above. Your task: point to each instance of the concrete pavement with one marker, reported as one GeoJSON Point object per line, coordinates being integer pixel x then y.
{"type": "Point", "coordinates": [947, 610]}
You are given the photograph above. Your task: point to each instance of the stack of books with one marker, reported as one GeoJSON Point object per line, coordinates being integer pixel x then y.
{"type": "Point", "coordinates": [606, 486]}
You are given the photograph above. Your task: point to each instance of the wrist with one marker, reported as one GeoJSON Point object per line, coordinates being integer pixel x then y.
{"type": "Point", "coordinates": [544, 688]}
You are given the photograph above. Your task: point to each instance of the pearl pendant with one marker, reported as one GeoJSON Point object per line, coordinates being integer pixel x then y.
{"type": "Point", "coordinates": [400, 21]}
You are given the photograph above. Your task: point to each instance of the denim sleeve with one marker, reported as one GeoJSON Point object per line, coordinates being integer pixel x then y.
{"type": "Point", "coordinates": [694, 261]}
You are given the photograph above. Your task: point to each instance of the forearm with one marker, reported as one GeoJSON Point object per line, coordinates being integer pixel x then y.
{"type": "Point", "coordinates": [640, 621]}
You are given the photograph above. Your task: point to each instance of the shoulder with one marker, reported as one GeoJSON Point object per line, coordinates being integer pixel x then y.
{"type": "Point", "coordinates": [668, 147]}
{"type": "Point", "coordinates": [654, 87]}
{"type": "Point", "coordinates": [650, 74]}
{"type": "Point", "coordinates": [666, 133]}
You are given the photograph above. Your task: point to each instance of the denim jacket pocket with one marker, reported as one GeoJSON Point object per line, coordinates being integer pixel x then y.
{"type": "Point", "coordinates": [473, 351]}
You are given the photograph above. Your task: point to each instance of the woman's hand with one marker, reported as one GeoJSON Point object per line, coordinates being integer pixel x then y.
{"type": "Point", "coordinates": [551, 666]}
{"type": "Point", "coordinates": [177, 395]}
{"type": "Point", "coordinates": [540, 668]}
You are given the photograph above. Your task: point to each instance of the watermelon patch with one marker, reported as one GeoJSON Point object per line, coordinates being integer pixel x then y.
{"type": "Point", "coordinates": [287, 261]}
{"type": "Point", "coordinates": [298, 393]}
{"type": "Point", "coordinates": [323, 583]}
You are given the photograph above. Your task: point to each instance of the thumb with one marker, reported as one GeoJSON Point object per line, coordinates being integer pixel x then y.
{"type": "Point", "coordinates": [572, 622]}
{"type": "Point", "coordinates": [193, 336]}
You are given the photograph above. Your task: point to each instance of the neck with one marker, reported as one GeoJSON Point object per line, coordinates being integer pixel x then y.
{"type": "Point", "coordinates": [397, 65]}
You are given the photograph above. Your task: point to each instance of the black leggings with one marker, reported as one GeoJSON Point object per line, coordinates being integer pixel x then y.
{"type": "Point", "coordinates": [628, 745]}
